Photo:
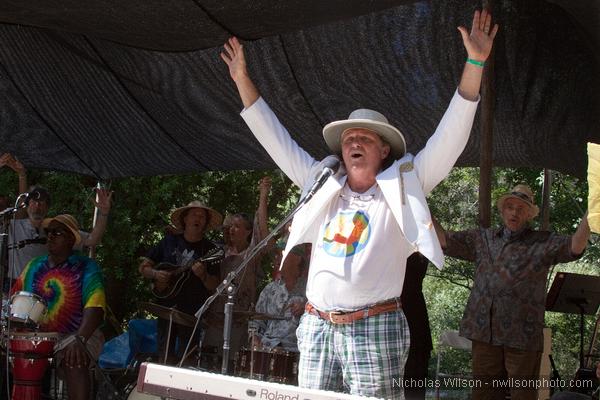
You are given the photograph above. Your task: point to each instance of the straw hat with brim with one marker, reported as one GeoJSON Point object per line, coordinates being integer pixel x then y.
{"type": "Point", "coordinates": [214, 218]}
{"type": "Point", "coordinates": [69, 222]}
{"type": "Point", "coordinates": [367, 119]}
{"type": "Point", "coordinates": [523, 193]}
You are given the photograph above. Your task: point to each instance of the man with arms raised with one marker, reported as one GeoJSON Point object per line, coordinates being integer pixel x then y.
{"type": "Point", "coordinates": [504, 316]}
{"type": "Point", "coordinates": [363, 224]}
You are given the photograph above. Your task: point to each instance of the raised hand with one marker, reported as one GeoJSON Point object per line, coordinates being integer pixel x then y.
{"type": "Point", "coordinates": [264, 185]}
{"type": "Point", "coordinates": [233, 55]}
{"type": "Point", "coordinates": [10, 161]}
{"type": "Point", "coordinates": [478, 42]}
{"type": "Point", "coordinates": [4, 159]}
{"type": "Point", "coordinates": [104, 200]}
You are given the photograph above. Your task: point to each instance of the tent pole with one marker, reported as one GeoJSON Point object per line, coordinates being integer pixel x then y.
{"type": "Point", "coordinates": [545, 220]}
{"type": "Point", "coordinates": [488, 97]}
{"type": "Point", "coordinates": [92, 251]}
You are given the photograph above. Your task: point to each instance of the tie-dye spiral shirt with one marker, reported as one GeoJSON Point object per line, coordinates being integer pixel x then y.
{"type": "Point", "coordinates": [67, 288]}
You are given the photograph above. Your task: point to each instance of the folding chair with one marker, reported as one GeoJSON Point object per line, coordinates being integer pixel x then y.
{"type": "Point", "coordinates": [449, 339]}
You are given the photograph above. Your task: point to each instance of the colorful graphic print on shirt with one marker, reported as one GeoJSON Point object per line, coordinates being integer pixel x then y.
{"type": "Point", "coordinates": [346, 234]}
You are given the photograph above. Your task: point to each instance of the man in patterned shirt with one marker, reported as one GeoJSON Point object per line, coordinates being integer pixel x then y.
{"type": "Point", "coordinates": [285, 297]}
{"type": "Point", "coordinates": [73, 289]}
{"type": "Point", "coordinates": [504, 315]}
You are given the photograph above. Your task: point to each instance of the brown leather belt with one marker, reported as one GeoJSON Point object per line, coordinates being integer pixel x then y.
{"type": "Point", "coordinates": [341, 317]}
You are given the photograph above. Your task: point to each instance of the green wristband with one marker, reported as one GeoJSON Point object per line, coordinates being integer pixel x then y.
{"type": "Point", "coordinates": [475, 62]}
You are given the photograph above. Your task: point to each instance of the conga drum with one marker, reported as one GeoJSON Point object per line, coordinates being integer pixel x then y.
{"type": "Point", "coordinates": [30, 354]}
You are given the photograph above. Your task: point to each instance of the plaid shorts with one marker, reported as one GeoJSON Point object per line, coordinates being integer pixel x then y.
{"type": "Point", "coordinates": [365, 357]}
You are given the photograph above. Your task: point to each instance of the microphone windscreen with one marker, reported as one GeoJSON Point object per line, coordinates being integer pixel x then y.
{"type": "Point", "coordinates": [332, 162]}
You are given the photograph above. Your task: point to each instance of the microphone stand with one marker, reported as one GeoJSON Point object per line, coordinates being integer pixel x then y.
{"type": "Point", "coordinates": [5, 216]}
{"type": "Point", "coordinates": [231, 288]}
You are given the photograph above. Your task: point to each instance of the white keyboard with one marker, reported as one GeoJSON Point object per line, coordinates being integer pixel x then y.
{"type": "Point", "coordinates": [184, 384]}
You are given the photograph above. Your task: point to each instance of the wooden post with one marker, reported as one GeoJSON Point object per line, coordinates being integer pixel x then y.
{"type": "Point", "coordinates": [488, 98]}
{"type": "Point", "coordinates": [545, 217]}
{"type": "Point", "coordinates": [92, 250]}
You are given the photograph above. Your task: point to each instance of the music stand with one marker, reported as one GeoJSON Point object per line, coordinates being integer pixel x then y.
{"type": "Point", "coordinates": [575, 294]}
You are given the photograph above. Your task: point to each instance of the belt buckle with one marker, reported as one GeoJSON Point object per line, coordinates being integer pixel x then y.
{"type": "Point", "coordinates": [331, 314]}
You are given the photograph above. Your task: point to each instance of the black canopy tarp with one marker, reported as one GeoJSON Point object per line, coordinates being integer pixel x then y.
{"type": "Point", "coordinates": [112, 89]}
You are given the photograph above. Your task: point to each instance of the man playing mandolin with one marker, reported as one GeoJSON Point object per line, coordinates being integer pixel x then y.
{"type": "Point", "coordinates": [180, 279]}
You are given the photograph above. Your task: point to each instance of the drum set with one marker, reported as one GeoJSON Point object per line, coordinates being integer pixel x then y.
{"type": "Point", "coordinates": [273, 365]}
{"type": "Point", "coordinates": [29, 350]}
{"type": "Point", "coordinates": [253, 362]}
{"type": "Point", "coordinates": [264, 364]}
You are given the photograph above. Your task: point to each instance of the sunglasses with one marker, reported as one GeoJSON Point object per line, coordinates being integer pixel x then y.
{"type": "Point", "coordinates": [55, 232]}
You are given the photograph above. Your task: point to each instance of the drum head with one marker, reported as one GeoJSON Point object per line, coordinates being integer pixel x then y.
{"type": "Point", "coordinates": [34, 336]}
{"type": "Point", "coordinates": [28, 308]}
{"type": "Point", "coordinates": [23, 293]}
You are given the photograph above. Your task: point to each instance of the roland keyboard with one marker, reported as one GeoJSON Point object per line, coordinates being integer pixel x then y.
{"type": "Point", "coordinates": [184, 384]}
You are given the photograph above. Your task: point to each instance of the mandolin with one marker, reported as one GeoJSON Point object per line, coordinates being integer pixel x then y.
{"type": "Point", "coordinates": [179, 274]}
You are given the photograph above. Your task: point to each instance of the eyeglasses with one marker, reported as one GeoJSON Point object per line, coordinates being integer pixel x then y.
{"type": "Point", "coordinates": [55, 232]}
{"type": "Point", "coordinates": [358, 198]}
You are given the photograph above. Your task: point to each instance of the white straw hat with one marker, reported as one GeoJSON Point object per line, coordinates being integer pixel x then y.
{"type": "Point", "coordinates": [367, 119]}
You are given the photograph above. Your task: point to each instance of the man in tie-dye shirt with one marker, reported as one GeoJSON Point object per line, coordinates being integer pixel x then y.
{"type": "Point", "coordinates": [73, 289]}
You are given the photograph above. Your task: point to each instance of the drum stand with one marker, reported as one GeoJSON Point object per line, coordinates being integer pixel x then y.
{"type": "Point", "coordinates": [168, 344]}
{"type": "Point", "coordinates": [251, 334]}
{"type": "Point", "coordinates": [5, 217]}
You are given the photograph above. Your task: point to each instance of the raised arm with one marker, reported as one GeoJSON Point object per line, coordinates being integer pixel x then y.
{"type": "Point", "coordinates": [478, 44]}
{"type": "Point", "coordinates": [264, 124]}
{"type": "Point", "coordinates": [236, 62]}
{"type": "Point", "coordinates": [263, 201]}
{"type": "Point", "coordinates": [103, 204]}
{"type": "Point", "coordinates": [10, 161]}
{"type": "Point", "coordinates": [581, 236]}
{"type": "Point", "coordinates": [434, 162]}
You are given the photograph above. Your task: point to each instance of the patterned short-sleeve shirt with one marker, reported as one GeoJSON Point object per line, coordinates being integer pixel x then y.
{"type": "Point", "coordinates": [67, 288]}
{"type": "Point", "coordinates": [507, 302]}
{"type": "Point", "coordinates": [275, 299]}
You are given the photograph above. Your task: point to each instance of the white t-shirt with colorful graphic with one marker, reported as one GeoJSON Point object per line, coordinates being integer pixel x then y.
{"type": "Point", "coordinates": [360, 256]}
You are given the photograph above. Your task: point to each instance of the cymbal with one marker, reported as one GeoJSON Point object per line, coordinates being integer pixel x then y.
{"type": "Point", "coordinates": [167, 313]}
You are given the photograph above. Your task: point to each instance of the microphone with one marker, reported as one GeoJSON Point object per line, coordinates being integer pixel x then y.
{"type": "Point", "coordinates": [330, 166]}
{"type": "Point", "coordinates": [28, 196]}
{"type": "Point", "coordinates": [26, 242]}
